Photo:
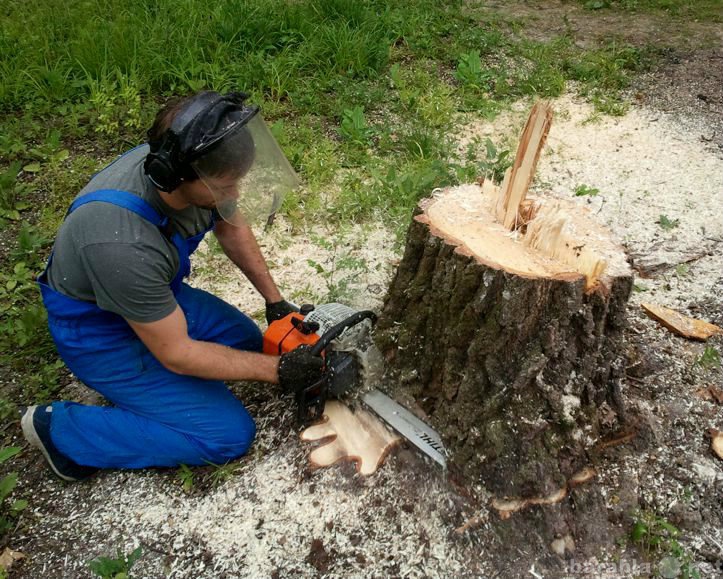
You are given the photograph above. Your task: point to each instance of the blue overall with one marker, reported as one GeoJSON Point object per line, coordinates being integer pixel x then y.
{"type": "Point", "coordinates": [158, 418]}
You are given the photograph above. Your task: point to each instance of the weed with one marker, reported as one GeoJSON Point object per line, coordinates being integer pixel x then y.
{"type": "Point", "coordinates": [585, 191]}
{"type": "Point", "coordinates": [470, 72]}
{"type": "Point", "coordinates": [656, 536]}
{"type": "Point", "coordinates": [667, 223]}
{"type": "Point", "coordinates": [709, 359]}
{"type": "Point", "coordinates": [115, 568]}
{"type": "Point", "coordinates": [496, 161]}
{"type": "Point", "coordinates": [9, 510]}
{"type": "Point", "coordinates": [11, 192]}
{"type": "Point", "coordinates": [354, 126]}
{"type": "Point", "coordinates": [682, 269]}
{"type": "Point", "coordinates": [185, 475]}
{"type": "Point", "coordinates": [339, 273]}
{"type": "Point", "coordinates": [222, 472]}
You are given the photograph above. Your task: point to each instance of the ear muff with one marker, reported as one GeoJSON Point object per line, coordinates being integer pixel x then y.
{"type": "Point", "coordinates": [160, 166]}
{"type": "Point", "coordinates": [165, 164]}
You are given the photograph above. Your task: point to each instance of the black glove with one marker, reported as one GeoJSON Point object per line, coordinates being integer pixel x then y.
{"type": "Point", "coordinates": [299, 369]}
{"type": "Point", "coordinates": [278, 310]}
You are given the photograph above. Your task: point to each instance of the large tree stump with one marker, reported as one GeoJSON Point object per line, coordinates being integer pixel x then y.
{"type": "Point", "coordinates": [503, 328]}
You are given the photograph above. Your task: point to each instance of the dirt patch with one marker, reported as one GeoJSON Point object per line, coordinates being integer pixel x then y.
{"type": "Point", "coordinates": [550, 19]}
{"type": "Point", "coordinates": [690, 86]}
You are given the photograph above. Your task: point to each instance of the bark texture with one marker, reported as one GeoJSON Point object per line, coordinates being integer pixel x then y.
{"type": "Point", "coordinates": [517, 374]}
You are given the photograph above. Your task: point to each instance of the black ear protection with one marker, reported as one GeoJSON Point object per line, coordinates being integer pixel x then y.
{"type": "Point", "coordinates": [167, 163]}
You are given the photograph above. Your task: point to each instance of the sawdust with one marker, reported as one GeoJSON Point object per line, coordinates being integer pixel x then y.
{"type": "Point", "coordinates": [275, 518]}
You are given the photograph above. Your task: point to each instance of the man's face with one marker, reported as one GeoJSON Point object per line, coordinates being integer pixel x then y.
{"type": "Point", "coordinates": [199, 194]}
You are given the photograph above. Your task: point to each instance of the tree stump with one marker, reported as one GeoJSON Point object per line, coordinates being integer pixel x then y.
{"type": "Point", "coordinates": [502, 328]}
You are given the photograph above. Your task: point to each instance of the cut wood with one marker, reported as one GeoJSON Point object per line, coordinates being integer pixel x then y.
{"type": "Point", "coordinates": [9, 558]}
{"type": "Point", "coordinates": [346, 435]}
{"type": "Point", "coordinates": [519, 176]}
{"type": "Point", "coordinates": [711, 393]}
{"type": "Point", "coordinates": [680, 324]}
{"type": "Point", "coordinates": [716, 442]}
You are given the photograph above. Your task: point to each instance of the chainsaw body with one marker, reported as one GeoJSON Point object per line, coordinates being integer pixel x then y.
{"type": "Point", "coordinates": [336, 332]}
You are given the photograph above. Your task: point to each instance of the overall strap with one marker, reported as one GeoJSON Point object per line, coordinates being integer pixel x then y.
{"type": "Point", "coordinates": [123, 199]}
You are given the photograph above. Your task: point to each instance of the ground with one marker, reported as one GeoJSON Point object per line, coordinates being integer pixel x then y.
{"type": "Point", "coordinates": [273, 516]}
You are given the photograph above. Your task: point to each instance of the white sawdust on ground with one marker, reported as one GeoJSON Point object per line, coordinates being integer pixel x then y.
{"type": "Point", "coordinates": [262, 521]}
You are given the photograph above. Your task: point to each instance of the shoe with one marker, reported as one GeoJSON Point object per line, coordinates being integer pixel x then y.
{"type": "Point", "coordinates": [36, 428]}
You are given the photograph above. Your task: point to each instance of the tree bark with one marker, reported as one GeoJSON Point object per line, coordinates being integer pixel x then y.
{"type": "Point", "coordinates": [519, 374]}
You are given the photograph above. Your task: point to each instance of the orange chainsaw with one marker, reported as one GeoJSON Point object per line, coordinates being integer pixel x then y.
{"type": "Point", "coordinates": [342, 336]}
{"type": "Point", "coordinates": [318, 327]}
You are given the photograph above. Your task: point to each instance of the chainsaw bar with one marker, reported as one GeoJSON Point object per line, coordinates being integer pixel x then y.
{"type": "Point", "coordinates": [409, 426]}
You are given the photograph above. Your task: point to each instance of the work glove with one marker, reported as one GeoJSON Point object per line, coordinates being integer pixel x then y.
{"type": "Point", "coordinates": [278, 310]}
{"type": "Point", "coordinates": [299, 369]}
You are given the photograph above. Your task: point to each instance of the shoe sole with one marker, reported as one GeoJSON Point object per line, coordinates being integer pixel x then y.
{"type": "Point", "coordinates": [31, 435]}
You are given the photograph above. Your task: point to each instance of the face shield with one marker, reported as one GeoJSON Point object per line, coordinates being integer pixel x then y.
{"type": "Point", "coordinates": [246, 172]}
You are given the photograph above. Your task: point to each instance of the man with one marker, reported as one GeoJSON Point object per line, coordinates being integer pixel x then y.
{"type": "Point", "coordinates": [125, 323]}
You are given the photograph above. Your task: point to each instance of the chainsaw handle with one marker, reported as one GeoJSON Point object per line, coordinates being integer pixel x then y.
{"type": "Point", "coordinates": [335, 331]}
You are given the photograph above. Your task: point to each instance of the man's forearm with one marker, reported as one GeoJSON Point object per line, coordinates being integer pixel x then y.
{"type": "Point", "coordinates": [240, 245]}
{"type": "Point", "coordinates": [218, 362]}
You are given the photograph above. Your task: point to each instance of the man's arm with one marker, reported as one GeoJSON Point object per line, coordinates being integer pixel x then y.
{"type": "Point", "coordinates": [169, 342]}
{"type": "Point", "coordinates": [239, 244]}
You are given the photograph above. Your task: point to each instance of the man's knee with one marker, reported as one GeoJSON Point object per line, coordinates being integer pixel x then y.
{"type": "Point", "coordinates": [232, 437]}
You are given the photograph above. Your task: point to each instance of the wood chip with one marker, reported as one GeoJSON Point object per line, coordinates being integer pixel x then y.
{"type": "Point", "coordinates": [9, 557]}
{"type": "Point", "coordinates": [716, 442]}
{"type": "Point", "coordinates": [582, 476]}
{"type": "Point", "coordinates": [711, 393]}
{"type": "Point", "coordinates": [680, 324]}
{"type": "Point", "coordinates": [356, 436]}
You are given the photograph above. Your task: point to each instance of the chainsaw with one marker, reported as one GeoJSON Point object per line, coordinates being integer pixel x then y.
{"type": "Point", "coordinates": [342, 336]}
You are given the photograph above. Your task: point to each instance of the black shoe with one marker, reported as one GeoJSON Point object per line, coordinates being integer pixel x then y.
{"type": "Point", "coordinates": [36, 428]}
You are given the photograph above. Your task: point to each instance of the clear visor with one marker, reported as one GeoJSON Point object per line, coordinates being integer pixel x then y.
{"type": "Point", "coordinates": [247, 174]}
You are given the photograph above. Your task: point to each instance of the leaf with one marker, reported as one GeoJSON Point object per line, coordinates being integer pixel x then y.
{"type": "Point", "coordinates": [61, 155]}
{"type": "Point", "coordinates": [32, 168]}
{"type": "Point", "coordinates": [19, 505]}
{"type": "Point", "coordinates": [134, 556]}
{"type": "Point", "coordinates": [7, 484]}
{"type": "Point", "coordinates": [11, 285]}
{"type": "Point", "coordinates": [8, 452]}
{"type": "Point", "coordinates": [639, 531]}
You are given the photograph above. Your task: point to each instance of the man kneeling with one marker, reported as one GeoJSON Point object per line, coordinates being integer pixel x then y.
{"type": "Point", "coordinates": [127, 325]}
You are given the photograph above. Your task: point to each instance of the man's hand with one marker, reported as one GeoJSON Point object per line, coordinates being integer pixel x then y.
{"type": "Point", "coordinates": [277, 310]}
{"type": "Point", "coordinates": [299, 369]}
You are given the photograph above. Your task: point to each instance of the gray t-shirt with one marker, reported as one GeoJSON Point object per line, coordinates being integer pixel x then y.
{"type": "Point", "coordinates": [111, 256]}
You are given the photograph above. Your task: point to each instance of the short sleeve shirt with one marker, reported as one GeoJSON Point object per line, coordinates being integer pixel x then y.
{"type": "Point", "coordinates": [115, 258]}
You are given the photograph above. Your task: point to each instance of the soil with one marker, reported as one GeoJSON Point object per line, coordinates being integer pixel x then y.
{"type": "Point", "coordinates": [275, 517]}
